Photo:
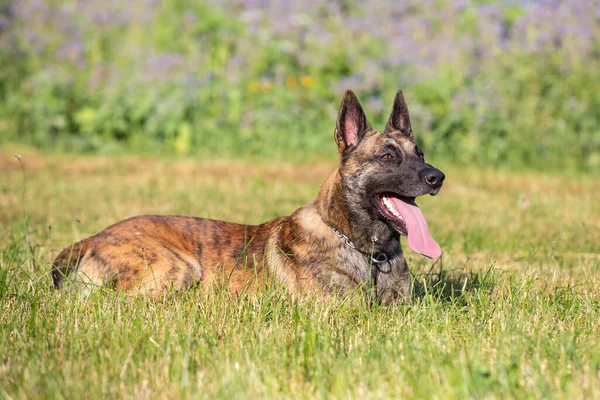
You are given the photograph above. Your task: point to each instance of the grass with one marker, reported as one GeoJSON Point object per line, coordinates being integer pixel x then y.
{"type": "Point", "coordinates": [511, 310]}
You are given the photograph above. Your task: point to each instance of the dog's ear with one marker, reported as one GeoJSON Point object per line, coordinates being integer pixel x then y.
{"type": "Point", "coordinates": [351, 123]}
{"type": "Point", "coordinates": [399, 118]}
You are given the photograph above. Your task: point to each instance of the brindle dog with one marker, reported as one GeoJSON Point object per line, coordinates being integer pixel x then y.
{"type": "Point", "coordinates": [347, 238]}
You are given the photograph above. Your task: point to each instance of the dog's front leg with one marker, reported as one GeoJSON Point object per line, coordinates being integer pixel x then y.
{"type": "Point", "coordinates": [392, 281]}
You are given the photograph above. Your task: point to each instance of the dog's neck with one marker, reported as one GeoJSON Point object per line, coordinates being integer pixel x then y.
{"type": "Point", "coordinates": [364, 232]}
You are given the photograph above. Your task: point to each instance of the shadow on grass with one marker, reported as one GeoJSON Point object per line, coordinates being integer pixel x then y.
{"type": "Point", "coordinates": [445, 284]}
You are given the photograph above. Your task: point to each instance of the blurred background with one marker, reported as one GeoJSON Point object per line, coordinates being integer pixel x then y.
{"type": "Point", "coordinates": [492, 83]}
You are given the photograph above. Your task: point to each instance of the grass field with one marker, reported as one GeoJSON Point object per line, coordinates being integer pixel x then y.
{"type": "Point", "coordinates": [511, 310]}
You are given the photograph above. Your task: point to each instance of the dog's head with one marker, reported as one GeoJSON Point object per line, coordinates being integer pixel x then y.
{"type": "Point", "coordinates": [383, 173]}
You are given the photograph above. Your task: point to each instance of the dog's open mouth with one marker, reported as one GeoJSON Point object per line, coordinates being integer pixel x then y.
{"type": "Point", "coordinates": [408, 220]}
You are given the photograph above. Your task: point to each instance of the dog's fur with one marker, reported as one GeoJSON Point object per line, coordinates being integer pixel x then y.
{"type": "Point", "coordinates": [148, 254]}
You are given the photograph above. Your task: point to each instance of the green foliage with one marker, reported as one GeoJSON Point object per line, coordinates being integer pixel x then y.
{"type": "Point", "coordinates": [486, 82]}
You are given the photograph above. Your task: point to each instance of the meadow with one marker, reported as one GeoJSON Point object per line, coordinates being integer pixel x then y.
{"type": "Point", "coordinates": [511, 310]}
{"type": "Point", "coordinates": [225, 109]}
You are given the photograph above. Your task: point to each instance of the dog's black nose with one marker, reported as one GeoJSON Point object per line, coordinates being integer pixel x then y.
{"type": "Point", "coordinates": [434, 178]}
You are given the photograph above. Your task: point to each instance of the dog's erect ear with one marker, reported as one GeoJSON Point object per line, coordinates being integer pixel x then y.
{"type": "Point", "coordinates": [351, 124]}
{"type": "Point", "coordinates": [399, 119]}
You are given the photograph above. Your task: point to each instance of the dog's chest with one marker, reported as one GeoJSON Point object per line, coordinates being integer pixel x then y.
{"type": "Point", "coordinates": [356, 264]}
{"type": "Point", "coordinates": [350, 268]}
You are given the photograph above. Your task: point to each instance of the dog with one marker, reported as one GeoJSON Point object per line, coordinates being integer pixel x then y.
{"type": "Point", "coordinates": [346, 239]}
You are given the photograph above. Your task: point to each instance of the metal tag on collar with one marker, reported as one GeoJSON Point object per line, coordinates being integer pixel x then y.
{"type": "Point", "coordinates": [379, 258]}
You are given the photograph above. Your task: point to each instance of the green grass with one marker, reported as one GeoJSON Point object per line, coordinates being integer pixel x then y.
{"type": "Point", "coordinates": [511, 310]}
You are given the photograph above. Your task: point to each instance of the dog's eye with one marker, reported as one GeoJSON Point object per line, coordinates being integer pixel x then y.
{"type": "Point", "coordinates": [387, 156]}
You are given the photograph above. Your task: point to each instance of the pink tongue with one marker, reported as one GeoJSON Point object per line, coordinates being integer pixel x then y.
{"type": "Point", "coordinates": [419, 238]}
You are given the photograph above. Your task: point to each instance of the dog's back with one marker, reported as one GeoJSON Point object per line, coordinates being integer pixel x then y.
{"type": "Point", "coordinates": [150, 253]}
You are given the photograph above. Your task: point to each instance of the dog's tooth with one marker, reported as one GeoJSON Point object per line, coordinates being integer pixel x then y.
{"type": "Point", "coordinates": [390, 206]}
